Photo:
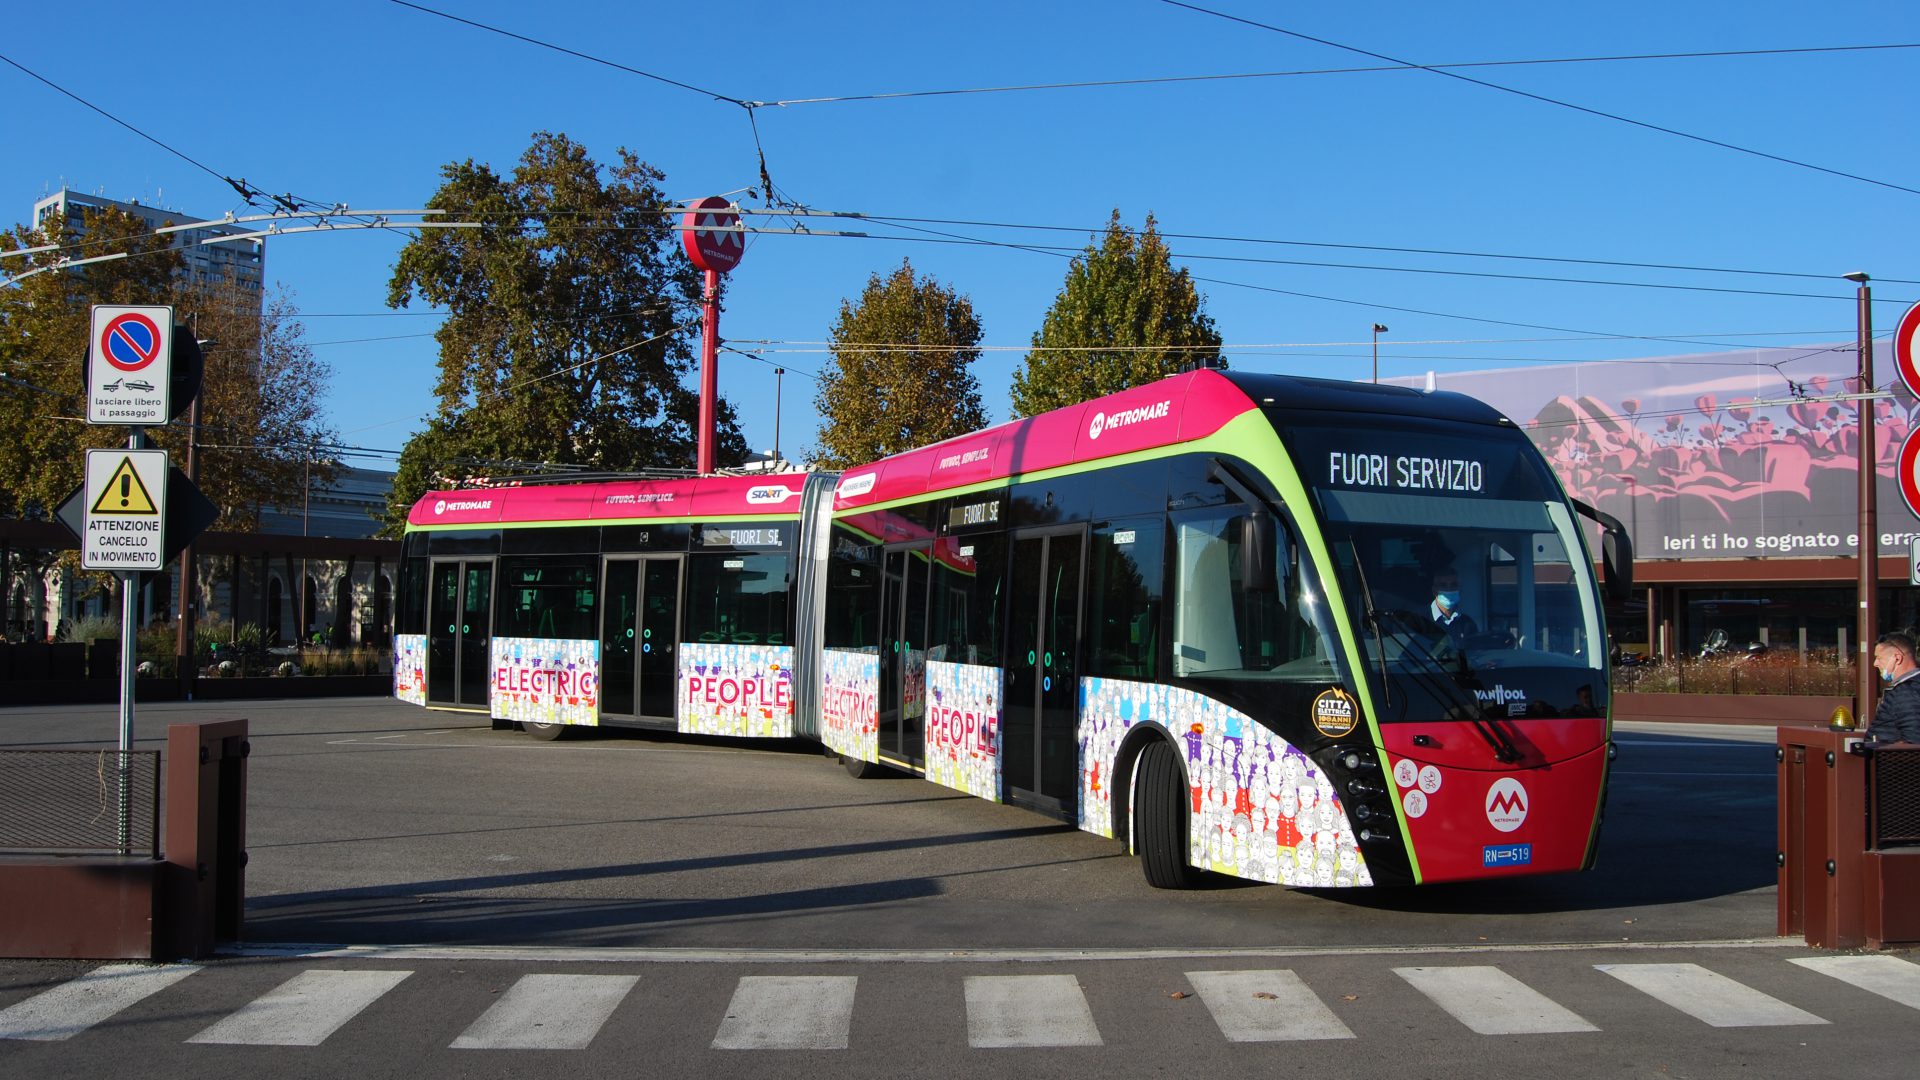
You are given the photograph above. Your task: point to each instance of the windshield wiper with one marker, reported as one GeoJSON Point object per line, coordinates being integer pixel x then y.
{"type": "Point", "coordinates": [1505, 750]}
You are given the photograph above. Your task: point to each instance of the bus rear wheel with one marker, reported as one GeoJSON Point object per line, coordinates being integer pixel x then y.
{"type": "Point", "coordinates": [545, 732]}
{"type": "Point", "coordinates": [1160, 824]}
{"type": "Point", "coordinates": [862, 770]}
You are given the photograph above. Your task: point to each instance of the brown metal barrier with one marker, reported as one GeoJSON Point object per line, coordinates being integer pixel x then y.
{"type": "Point", "coordinates": [70, 888]}
{"type": "Point", "coordinates": [70, 802]}
{"type": "Point", "coordinates": [1849, 833]}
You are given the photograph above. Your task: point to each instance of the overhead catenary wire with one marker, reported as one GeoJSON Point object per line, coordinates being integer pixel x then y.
{"type": "Point", "coordinates": [575, 53]}
{"type": "Point", "coordinates": [246, 191]}
{"type": "Point", "coordinates": [1543, 98]}
{"type": "Point", "coordinates": [1091, 84]}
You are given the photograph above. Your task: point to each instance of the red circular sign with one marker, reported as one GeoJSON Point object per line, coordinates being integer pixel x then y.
{"type": "Point", "coordinates": [1910, 484]}
{"type": "Point", "coordinates": [1904, 348]}
{"type": "Point", "coordinates": [130, 342]}
{"type": "Point", "coordinates": [710, 232]}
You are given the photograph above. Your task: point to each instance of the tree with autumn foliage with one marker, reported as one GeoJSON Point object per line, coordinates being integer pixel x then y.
{"type": "Point", "coordinates": [1124, 317]}
{"type": "Point", "coordinates": [900, 373]}
{"type": "Point", "coordinates": [571, 317]}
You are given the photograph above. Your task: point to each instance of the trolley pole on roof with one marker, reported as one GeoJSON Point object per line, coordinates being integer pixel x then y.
{"type": "Point", "coordinates": [711, 234]}
{"type": "Point", "coordinates": [1869, 549]}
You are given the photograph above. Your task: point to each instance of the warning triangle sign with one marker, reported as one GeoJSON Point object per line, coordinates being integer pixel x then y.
{"type": "Point", "coordinates": [125, 494]}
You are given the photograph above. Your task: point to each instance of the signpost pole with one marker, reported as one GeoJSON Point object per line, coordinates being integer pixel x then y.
{"type": "Point", "coordinates": [129, 661]}
{"type": "Point", "coordinates": [1868, 628]}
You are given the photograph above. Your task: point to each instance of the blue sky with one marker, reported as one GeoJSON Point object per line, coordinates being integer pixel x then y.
{"type": "Point", "coordinates": [361, 101]}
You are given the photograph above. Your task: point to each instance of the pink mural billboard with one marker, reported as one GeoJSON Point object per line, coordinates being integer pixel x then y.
{"type": "Point", "coordinates": [1728, 455]}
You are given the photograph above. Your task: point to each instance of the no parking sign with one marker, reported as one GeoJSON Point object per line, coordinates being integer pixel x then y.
{"type": "Point", "coordinates": [1905, 347]}
{"type": "Point", "coordinates": [130, 365]}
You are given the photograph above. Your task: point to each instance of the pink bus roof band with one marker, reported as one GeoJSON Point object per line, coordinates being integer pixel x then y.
{"type": "Point", "coordinates": [704, 497]}
{"type": "Point", "coordinates": [1163, 413]}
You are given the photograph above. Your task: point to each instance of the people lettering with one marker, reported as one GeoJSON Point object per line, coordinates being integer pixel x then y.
{"type": "Point", "coordinates": [746, 692]}
{"type": "Point", "coordinates": [965, 730]}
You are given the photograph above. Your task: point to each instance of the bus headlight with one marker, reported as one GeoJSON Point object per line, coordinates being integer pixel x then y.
{"type": "Point", "coordinates": [1355, 759]}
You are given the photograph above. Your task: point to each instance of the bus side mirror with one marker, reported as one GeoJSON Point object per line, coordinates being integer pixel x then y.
{"type": "Point", "coordinates": [1256, 552]}
{"type": "Point", "coordinates": [1616, 559]}
{"type": "Point", "coordinates": [1616, 553]}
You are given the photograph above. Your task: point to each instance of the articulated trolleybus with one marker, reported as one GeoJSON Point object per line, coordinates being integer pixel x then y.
{"type": "Point", "coordinates": [1297, 631]}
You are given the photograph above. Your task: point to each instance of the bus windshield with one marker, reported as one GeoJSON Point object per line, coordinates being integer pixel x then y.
{"type": "Point", "coordinates": [1462, 569]}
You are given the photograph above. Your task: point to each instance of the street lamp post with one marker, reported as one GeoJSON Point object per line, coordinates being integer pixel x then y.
{"type": "Point", "coordinates": [777, 374]}
{"type": "Point", "coordinates": [185, 654]}
{"type": "Point", "coordinates": [1868, 551]}
{"type": "Point", "coordinates": [1378, 329]}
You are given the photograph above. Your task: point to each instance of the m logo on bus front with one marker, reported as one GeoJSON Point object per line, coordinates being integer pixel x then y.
{"type": "Point", "coordinates": [1506, 804]}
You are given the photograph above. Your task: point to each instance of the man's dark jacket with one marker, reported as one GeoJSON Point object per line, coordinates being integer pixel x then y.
{"type": "Point", "coordinates": [1897, 720]}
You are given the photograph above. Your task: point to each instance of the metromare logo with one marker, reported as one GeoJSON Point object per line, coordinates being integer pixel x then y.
{"type": "Point", "coordinates": [1506, 804]}
{"type": "Point", "coordinates": [1495, 855]}
{"type": "Point", "coordinates": [1108, 421]}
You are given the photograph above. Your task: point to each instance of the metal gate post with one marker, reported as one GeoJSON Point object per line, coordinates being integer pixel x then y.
{"type": "Point", "coordinates": [204, 838]}
{"type": "Point", "coordinates": [1823, 838]}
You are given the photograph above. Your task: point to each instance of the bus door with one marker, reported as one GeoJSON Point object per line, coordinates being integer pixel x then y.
{"type": "Point", "coordinates": [459, 632]}
{"type": "Point", "coordinates": [1039, 737]}
{"type": "Point", "coordinates": [903, 654]}
{"type": "Point", "coordinates": [639, 637]}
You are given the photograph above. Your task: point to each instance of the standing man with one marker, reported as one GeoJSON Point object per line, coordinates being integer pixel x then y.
{"type": "Point", "coordinates": [1897, 720]}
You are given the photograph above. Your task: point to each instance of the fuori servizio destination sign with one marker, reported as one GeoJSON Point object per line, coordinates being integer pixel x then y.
{"type": "Point", "coordinates": [126, 501]}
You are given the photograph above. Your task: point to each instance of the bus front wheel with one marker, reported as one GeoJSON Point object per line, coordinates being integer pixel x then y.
{"type": "Point", "coordinates": [546, 732]}
{"type": "Point", "coordinates": [1160, 827]}
{"type": "Point", "coordinates": [862, 770]}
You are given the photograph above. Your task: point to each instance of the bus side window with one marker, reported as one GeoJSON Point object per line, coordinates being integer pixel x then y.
{"type": "Point", "coordinates": [853, 584]}
{"type": "Point", "coordinates": [1205, 608]}
{"type": "Point", "coordinates": [1124, 608]}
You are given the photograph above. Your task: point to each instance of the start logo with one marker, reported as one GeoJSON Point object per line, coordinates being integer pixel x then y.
{"type": "Point", "coordinates": [1506, 804]}
{"type": "Point", "coordinates": [768, 495]}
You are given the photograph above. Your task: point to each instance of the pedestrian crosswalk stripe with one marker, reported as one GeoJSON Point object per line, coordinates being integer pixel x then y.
{"type": "Point", "coordinates": [74, 1006]}
{"type": "Point", "coordinates": [304, 1010]}
{"type": "Point", "coordinates": [1265, 1006]}
{"type": "Point", "coordinates": [1890, 977]}
{"type": "Point", "coordinates": [548, 1012]}
{"type": "Point", "coordinates": [1491, 1002]}
{"type": "Point", "coordinates": [1708, 996]}
{"type": "Point", "coordinates": [1028, 1010]}
{"type": "Point", "coordinates": [781, 1012]}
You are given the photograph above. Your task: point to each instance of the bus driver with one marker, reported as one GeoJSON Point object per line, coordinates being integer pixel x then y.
{"type": "Point", "coordinates": [1445, 609]}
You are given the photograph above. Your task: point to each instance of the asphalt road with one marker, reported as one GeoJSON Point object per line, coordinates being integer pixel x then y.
{"type": "Point", "coordinates": [660, 895]}
{"type": "Point", "coordinates": [376, 822]}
